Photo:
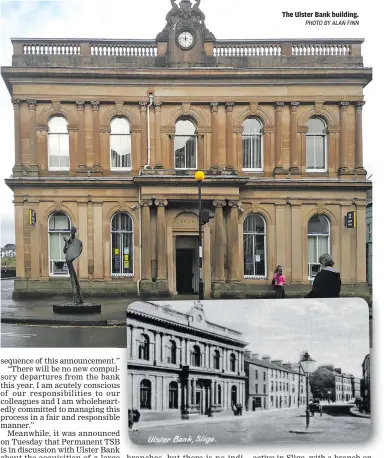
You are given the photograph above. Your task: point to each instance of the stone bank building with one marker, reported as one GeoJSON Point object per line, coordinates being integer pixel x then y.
{"type": "Point", "coordinates": [109, 134]}
{"type": "Point", "coordinates": [182, 364]}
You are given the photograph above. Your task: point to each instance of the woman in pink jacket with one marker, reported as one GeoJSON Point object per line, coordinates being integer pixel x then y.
{"type": "Point", "coordinates": [279, 281]}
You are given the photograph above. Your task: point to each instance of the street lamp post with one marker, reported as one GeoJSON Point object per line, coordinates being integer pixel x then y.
{"type": "Point", "coordinates": [307, 364]}
{"type": "Point", "coordinates": [199, 177]}
{"type": "Point", "coordinates": [329, 397]}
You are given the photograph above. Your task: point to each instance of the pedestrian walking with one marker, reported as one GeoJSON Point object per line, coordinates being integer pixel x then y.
{"type": "Point", "coordinates": [136, 418]}
{"type": "Point", "coordinates": [278, 282]}
{"type": "Point", "coordinates": [327, 282]}
{"type": "Point", "coordinates": [130, 418]}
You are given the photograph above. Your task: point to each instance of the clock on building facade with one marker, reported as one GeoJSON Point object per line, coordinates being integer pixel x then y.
{"type": "Point", "coordinates": [186, 39]}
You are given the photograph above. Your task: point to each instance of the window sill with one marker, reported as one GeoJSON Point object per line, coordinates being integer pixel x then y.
{"type": "Point", "coordinates": [253, 170]}
{"type": "Point", "coordinates": [121, 275]}
{"type": "Point", "coordinates": [255, 277]}
{"type": "Point", "coordinates": [322, 171]}
{"type": "Point", "coordinates": [58, 169]}
{"type": "Point", "coordinates": [121, 169]}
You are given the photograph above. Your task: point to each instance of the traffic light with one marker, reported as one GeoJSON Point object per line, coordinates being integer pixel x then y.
{"type": "Point", "coordinates": [206, 215]}
{"type": "Point", "coordinates": [32, 217]}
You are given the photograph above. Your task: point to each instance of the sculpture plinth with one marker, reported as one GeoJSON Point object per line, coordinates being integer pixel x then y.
{"type": "Point", "coordinates": [72, 249]}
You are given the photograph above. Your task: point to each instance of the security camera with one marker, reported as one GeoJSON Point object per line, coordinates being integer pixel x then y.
{"type": "Point", "coordinates": [134, 207]}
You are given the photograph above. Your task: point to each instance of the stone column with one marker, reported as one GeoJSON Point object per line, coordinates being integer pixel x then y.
{"type": "Point", "coordinates": [33, 167]}
{"type": "Point", "coordinates": [17, 122]}
{"type": "Point", "coordinates": [343, 137]}
{"type": "Point", "coordinates": [219, 240]}
{"type": "Point", "coordinates": [231, 162]}
{"type": "Point", "coordinates": [96, 136]}
{"type": "Point", "coordinates": [233, 246]}
{"type": "Point", "coordinates": [143, 123]}
{"type": "Point", "coordinates": [157, 158]}
{"type": "Point", "coordinates": [294, 159]}
{"type": "Point", "coordinates": [146, 239]}
{"type": "Point", "coordinates": [359, 137]}
{"type": "Point", "coordinates": [81, 151]}
{"type": "Point", "coordinates": [297, 244]}
{"type": "Point", "coordinates": [361, 244]}
{"type": "Point", "coordinates": [280, 235]}
{"type": "Point", "coordinates": [215, 146]}
{"type": "Point", "coordinates": [161, 240]}
{"type": "Point", "coordinates": [183, 362]}
{"type": "Point", "coordinates": [278, 138]}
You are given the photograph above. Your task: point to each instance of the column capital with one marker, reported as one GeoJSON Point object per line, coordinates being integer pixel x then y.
{"type": "Point", "coordinates": [146, 203]}
{"type": "Point", "coordinates": [161, 203]}
{"type": "Point", "coordinates": [16, 104]}
{"type": "Point", "coordinates": [214, 107]}
{"type": "Point", "coordinates": [31, 104]}
{"type": "Point", "coordinates": [229, 106]}
{"type": "Point", "coordinates": [233, 203]}
{"type": "Point", "coordinates": [158, 106]}
{"type": "Point", "coordinates": [344, 106]}
{"type": "Point", "coordinates": [279, 106]}
{"type": "Point", "coordinates": [143, 106]}
{"type": "Point", "coordinates": [293, 106]}
{"type": "Point", "coordinates": [219, 203]}
{"type": "Point", "coordinates": [95, 105]}
{"type": "Point", "coordinates": [359, 106]}
{"type": "Point", "coordinates": [80, 105]}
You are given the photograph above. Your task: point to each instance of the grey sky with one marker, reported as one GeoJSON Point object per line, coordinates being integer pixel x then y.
{"type": "Point", "coordinates": [144, 19]}
{"type": "Point", "coordinates": [334, 331]}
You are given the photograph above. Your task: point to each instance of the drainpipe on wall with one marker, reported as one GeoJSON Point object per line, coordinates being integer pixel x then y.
{"type": "Point", "coordinates": [150, 97]}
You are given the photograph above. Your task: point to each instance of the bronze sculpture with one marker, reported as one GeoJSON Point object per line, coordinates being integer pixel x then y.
{"type": "Point", "coordinates": [72, 250]}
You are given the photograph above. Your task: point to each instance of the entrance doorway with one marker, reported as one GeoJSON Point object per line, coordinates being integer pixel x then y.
{"type": "Point", "coordinates": [186, 265]}
{"type": "Point", "coordinates": [199, 401]}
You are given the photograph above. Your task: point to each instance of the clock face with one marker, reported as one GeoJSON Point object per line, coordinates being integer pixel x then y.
{"type": "Point", "coordinates": [185, 40]}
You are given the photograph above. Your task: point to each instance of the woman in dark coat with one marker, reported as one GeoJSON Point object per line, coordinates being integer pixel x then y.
{"type": "Point", "coordinates": [327, 282]}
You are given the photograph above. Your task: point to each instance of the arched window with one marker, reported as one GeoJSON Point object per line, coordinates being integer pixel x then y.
{"type": "Point", "coordinates": [144, 347]}
{"type": "Point", "coordinates": [173, 395]}
{"type": "Point", "coordinates": [58, 144]}
{"type": "Point", "coordinates": [255, 248]}
{"type": "Point", "coordinates": [172, 352]}
{"type": "Point", "coordinates": [59, 226]}
{"type": "Point", "coordinates": [196, 356]}
{"type": "Point", "coordinates": [122, 245]}
{"type": "Point", "coordinates": [185, 148]}
{"type": "Point", "coordinates": [318, 242]}
{"type": "Point", "coordinates": [252, 144]}
{"type": "Point", "coordinates": [219, 394]}
{"type": "Point", "coordinates": [232, 363]}
{"type": "Point", "coordinates": [233, 395]}
{"type": "Point", "coordinates": [145, 394]}
{"type": "Point", "coordinates": [216, 359]}
{"type": "Point", "coordinates": [316, 145]}
{"type": "Point", "coordinates": [120, 144]}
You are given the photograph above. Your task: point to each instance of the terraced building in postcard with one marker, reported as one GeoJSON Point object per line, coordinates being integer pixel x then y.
{"type": "Point", "coordinates": [109, 134]}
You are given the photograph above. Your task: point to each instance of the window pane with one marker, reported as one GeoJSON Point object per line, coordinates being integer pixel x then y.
{"type": "Point", "coordinates": [246, 152]}
{"type": "Point", "coordinates": [59, 221]}
{"type": "Point", "coordinates": [248, 255]}
{"type": "Point", "coordinates": [252, 126]}
{"type": "Point", "coordinates": [120, 126]}
{"type": "Point", "coordinates": [254, 223]}
{"type": "Point", "coordinates": [312, 254]}
{"type": "Point", "coordinates": [323, 245]}
{"type": "Point", "coordinates": [185, 127]}
{"type": "Point", "coordinates": [57, 125]}
{"type": "Point", "coordinates": [318, 224]}
{"type": "Point", "coordinates": [259, 255]}
{"type": "Point", "coordinates": [316, 126]}
{"type": "Point", "coordinates": [319, 152]}
{"type": "Point", "coordinates": [310, 146]}
{"type": "Point", "coordinates": [120, 151]}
